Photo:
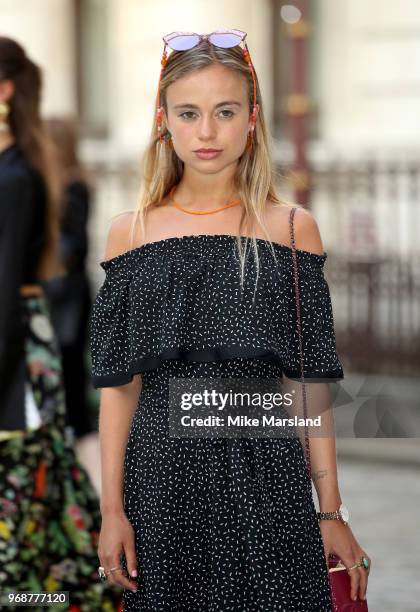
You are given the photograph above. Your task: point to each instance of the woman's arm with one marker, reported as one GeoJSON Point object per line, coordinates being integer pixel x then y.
{"type": "Point", "coordinates": [16, 216]}
{"type": "Point", "coordinates": [116, 410]}
{"type": "Point", "coordinates": [322, 446]}
{"type": "Point", "coordinates": [321, 440]}
{"type": "Point", "coordinates": [117, 537]}
{"type": "Point", "coordinates": [118, 404]}
{"type": "Point", "coordinates": [324, 471]}
{"type": "Point", "coordinates": [117, 407]}
{"type": "Point", "coordinates": [74, 238]}
{"type": "Point", "coordinates": [337, 537]}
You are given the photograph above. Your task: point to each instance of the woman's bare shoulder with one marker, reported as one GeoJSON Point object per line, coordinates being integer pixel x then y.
{"type": "Point", "coordinates": [122, 236]}
{"type": "Point", "coordinates": [306, 230]}
{"type": "Point", "coordinates": [118, 240]}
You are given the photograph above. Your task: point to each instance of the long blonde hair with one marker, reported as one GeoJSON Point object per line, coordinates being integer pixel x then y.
{"type": "Point", "coordinates": [254, 178]}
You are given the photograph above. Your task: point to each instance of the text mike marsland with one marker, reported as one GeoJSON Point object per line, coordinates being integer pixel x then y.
{"type": "Point", "coordinates": [245, 421]}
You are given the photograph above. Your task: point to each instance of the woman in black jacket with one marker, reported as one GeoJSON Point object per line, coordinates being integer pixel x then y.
{"type": "Point", "coordinates": [49, 511]}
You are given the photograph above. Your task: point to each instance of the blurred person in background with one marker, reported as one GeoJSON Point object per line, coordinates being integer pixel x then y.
{"type": "Point", "coordinates": [69, 295]}
{"type": "Point", "coordinates": [49, 511]}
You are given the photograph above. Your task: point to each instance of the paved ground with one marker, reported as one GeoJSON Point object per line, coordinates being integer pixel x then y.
{"type": "Point", "coordinates": [384, 501]}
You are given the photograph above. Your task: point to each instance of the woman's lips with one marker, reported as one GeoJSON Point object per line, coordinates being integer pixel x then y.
{"type": "Point", "coordinates": [207, 154]}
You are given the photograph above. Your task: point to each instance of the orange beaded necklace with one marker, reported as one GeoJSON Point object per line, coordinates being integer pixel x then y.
{"type": "Point", "coordinates": [200, 212]}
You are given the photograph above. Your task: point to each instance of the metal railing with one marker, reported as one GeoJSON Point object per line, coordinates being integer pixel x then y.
{"type": "Point", "coordinates": [371, 213]}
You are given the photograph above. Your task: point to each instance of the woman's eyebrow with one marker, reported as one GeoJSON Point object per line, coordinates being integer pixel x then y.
{"type": "Point", "coordinates": [226, 103]}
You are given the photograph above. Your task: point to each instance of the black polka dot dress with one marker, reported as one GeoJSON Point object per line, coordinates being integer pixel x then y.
{"type": "Point", "coordinates": [221, 524]}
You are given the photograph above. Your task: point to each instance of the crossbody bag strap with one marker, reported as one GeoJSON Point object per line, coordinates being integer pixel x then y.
{"type": "Point", "coordinates": [299, 330]}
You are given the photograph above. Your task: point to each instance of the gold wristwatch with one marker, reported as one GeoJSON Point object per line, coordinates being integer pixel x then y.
{"type": "Point", "coordinates": [342, 514]}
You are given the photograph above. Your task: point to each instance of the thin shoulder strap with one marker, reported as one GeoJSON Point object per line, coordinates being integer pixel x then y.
{"type": "Point", "coordinates": [292, 229]}
{"type": "Point", "coordinates": [299, 329]}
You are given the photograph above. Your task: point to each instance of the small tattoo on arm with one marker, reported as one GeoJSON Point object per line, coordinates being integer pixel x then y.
{"type": "Point", "coordinates": [319, 474]}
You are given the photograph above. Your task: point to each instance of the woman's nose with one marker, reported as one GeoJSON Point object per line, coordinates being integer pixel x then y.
{"type": "Point", "coordinates": [206, 127]}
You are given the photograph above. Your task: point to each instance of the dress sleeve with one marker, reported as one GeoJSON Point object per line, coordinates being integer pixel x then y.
{"type": "Point", "coordinates": [109, 329]}
{"type": "Point", "coordinates": [74, 239]}
{"type": "Point", "coordinates": [16, 212]}
{"type": "Point", "coordinates": [321, 362]}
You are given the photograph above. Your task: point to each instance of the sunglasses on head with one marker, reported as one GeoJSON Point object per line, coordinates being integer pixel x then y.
{"type": "Point", "coordinates": [183, 41]}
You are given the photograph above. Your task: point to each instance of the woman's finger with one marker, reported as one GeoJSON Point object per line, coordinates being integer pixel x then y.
{"type": "Point", "coordinates": [349, 560]}
{"type": "Point", "coordinates": [362, 583]}
{"type": "Point", "coordinates": [364, 577]}
{"type": "Point", "coordinates": [130, 555]}
{"type": "Point", "coordinates": [118, 575]}
{"type": "Point", "coordinates": [326, 554]}
{"type": "Point", "coordinates": [110, 577]}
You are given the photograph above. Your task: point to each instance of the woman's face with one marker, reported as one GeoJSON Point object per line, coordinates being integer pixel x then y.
{"type": "Point", "coordinates": [209, 109]}
{"type": "Point", "coordinates": [7, 89]}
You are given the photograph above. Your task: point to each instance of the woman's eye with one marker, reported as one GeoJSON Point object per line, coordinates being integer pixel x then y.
{"type": "Point", "coordinates": [186, 113]}
{"type": "Point", "coordinates": [231, 113]}
{"type": "Point", "coordinates": [227, 111]}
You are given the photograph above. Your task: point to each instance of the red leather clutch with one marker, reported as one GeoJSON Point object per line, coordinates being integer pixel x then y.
{"type": "Point", "coordinates": [340, 586]}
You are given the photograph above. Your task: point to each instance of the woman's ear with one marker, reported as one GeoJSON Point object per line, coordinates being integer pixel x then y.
{"type": "Point", "coordinates": [165, 121]}
{"type": "Point", "coordinates": [7, 89]}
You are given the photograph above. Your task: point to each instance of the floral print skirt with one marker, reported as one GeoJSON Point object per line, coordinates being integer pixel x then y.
{"type": "Point", "coordinates": [49, 510]}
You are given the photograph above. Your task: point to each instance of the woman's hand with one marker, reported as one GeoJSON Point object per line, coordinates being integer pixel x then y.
{"type": "Point", "coordinates": [36, 368]}
{"type": "Point", "coordinates": [339, 539]}
{"type": "Point", "coordinates": [116, 537]}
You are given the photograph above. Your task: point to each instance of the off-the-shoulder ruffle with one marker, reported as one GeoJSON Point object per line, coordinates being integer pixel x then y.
{"type": "Point", "coordinates": [194, 244]}
{"type": "Point", "coordinates": [180, 298]}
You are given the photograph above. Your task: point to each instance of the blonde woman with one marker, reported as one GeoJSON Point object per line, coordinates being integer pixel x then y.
{"type": "Point", "coordinates": [206, 523]}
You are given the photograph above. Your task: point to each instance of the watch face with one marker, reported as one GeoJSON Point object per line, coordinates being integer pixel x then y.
{"type": "Point", "coordinates": [344, 513]}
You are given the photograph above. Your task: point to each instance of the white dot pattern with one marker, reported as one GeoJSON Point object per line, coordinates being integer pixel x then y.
{"type": "Point", "coordinates": [221, 525]}
{"type": "Point", "coordinates": [180, 298]}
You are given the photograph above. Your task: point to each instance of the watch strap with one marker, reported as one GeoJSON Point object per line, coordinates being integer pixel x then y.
{"type": "Point", "coordinates": [329, 515]}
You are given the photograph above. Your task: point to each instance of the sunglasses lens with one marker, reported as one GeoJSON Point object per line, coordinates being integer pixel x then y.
{"type": "Point", "coordinates": [183, 42]}
{"type": "Point", "coordinates": [225, 40]}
